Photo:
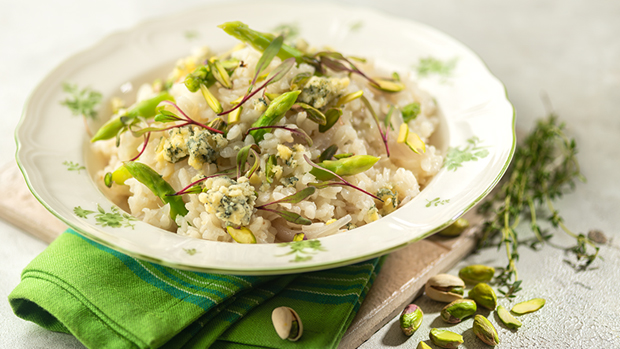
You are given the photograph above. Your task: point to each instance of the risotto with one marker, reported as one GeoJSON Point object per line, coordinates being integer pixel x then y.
{"type": "Point", "coordinates": [269, 142]}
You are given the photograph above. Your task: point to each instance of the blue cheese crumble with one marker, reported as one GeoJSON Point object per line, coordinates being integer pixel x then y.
{"type": "Point", "coordinates": [231, 201]}
{"type": "Point", "coordinates": [320, 91]}
{"type": "Point", "coordinates": [199, 144]}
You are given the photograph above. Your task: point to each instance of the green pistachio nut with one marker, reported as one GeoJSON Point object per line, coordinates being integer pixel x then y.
{"type": "Point", "coordinates": [484, 295]}
{"type": "Point", "coordinates": [445, 338]}
{"type": "Point", "coordinates": [477, 273]}
{"type": "Point", "coordinates": [484, 330]}
{"type": "Point", "coordinates": [444, 288]}
{"type": "Point", "coordinates": [456, 228]}
{"type": "Point", "coordinates": [459, 309]}
{"type": "Point", "coordinates": [528, 306]}
{"type": "Point", "coordinates": [507, 319]}
{"type": "Point", "coordinates": [411, 319]}
{"type": "Point", "coordinates": [423, 345]}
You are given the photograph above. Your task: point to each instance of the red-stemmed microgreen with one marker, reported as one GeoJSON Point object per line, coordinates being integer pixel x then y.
{"type": "Point", "coordinates": [166, 116]}
{"type": "Point", "coordinates": [321, 185]}
{"type": "Point", "coordinates": [291, 199]}
{"type": "Point", "coordinates": [296, 131]}
{"type": "Point", "coordinates": [333, 61]}
{"type": "Point", "coordinates": [195, 188]}
{"type": "Point", "coordinates": [278, 73]}
{"type": "Point", "coordinates": [384, 133]}
{"type": "Point", "coordinates": [146, 142]}
{"type": "Point", "coordinates": [268, 55]}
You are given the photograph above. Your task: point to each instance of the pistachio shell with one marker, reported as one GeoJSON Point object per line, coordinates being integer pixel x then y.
{"type": "Point", "coordinates": [528, 306]}
{"type": "Point", "coordinates": [484, 295]}
{"type": "Point", "coordinates": [444, 288]}
{"type": "Point", "coordinates": [459, 309]}
{"type": "Point", "coordinates": [423, 345]}
{"type": "Point", "coordinates": [445, 338]}
{"type": "Point", "coordinates": [411, 319]}
{"type": "Point", "coordinates": [484, 330]}
{"type": "Point", "coordinates": [456, 228]}
{"type": "Point", "coordinates": [287, 323]}
{"type": "Point", "coordinates": [476, 273]}
{"type": "Point", "coordinates": [507, 319]}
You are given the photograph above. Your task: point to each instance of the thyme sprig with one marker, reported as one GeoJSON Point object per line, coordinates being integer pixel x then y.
{"type": "Point", "coordinates": [543, 168]}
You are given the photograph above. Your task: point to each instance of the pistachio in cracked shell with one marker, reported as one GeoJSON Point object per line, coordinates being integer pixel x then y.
{"type": "Point", "coordinates": [287, 323]}
{"type": "Point", "coordinates": [484, 330]}
{"type": "Point", "coordinates": [444, 288]}
{"type": "Point", "coordinates": [484, 296]}
{"type": "Point", "coordinates": [459, 309]}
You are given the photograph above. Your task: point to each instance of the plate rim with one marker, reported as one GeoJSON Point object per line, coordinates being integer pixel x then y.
{"type": "Point", "coordinates": [284, 268]}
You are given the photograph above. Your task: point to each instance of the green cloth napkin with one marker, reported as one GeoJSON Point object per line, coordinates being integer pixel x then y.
{"type": "Point", "coordinates": [109, 300]}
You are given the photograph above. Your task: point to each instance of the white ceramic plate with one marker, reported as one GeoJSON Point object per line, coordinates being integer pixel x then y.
{"type": "Point", "coordinates": [477, 132]}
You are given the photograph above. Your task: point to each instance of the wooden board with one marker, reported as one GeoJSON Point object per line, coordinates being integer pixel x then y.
{"type": "Point", "coordinates": [400, 281]}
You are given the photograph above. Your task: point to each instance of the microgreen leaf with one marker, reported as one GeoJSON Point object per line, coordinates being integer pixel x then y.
{"type": "Point", "coordinates": [293, 198]}
{"type": "Point", "coordinates": [332, 61]}
{"type": "Point", "coordinates": [254, 165]}
{"type": "Point", "coordinates": [384, 133]}
{"type": "Point", "coordinates": [290, 216]}
{"type": "Point", "coordinates": [328, 153]}
{"type": "Point", "coordinates": [194, 187]}
{"type": "Point", "coordinates": [313, 114]}
{"type": "Point", "coordinates": [331, 117]}
{"type": "Point", "coordinates": [242, 157]}
{"type": "Point", "coordinates": [166, 116]}
{"type": "Point", "coordinates": [268, 55]}
{"type": "Point", "coordinates": [344, 181]}
{"type": "Point", "coordinates": [388, 118]}
{"type": "Point", "coordinates": [296, 131]}
{"type": "Point", "coordinates": [278, 73]}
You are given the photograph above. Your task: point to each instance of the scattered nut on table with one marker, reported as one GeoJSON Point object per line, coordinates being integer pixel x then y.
{"type": "Point", "coordinates": [444, 288]}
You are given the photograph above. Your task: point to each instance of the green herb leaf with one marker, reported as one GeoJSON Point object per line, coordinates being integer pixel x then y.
{"type": "Point", "coordinates": [387, 122]}
{"type": "Point", "coordinates": [268, 55]}
{"type": "Point", "coordinates": [295, 198]}
{"type": "Point", "coordinates": [290, 216]}
{"type": "Point", "coordinates": [242, 157]}
{"type": "Point", "coordinates": [410, 111]}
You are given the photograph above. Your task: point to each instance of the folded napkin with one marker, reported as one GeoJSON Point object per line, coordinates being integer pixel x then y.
{"type": "Point", "coordinates": [109, 300]}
